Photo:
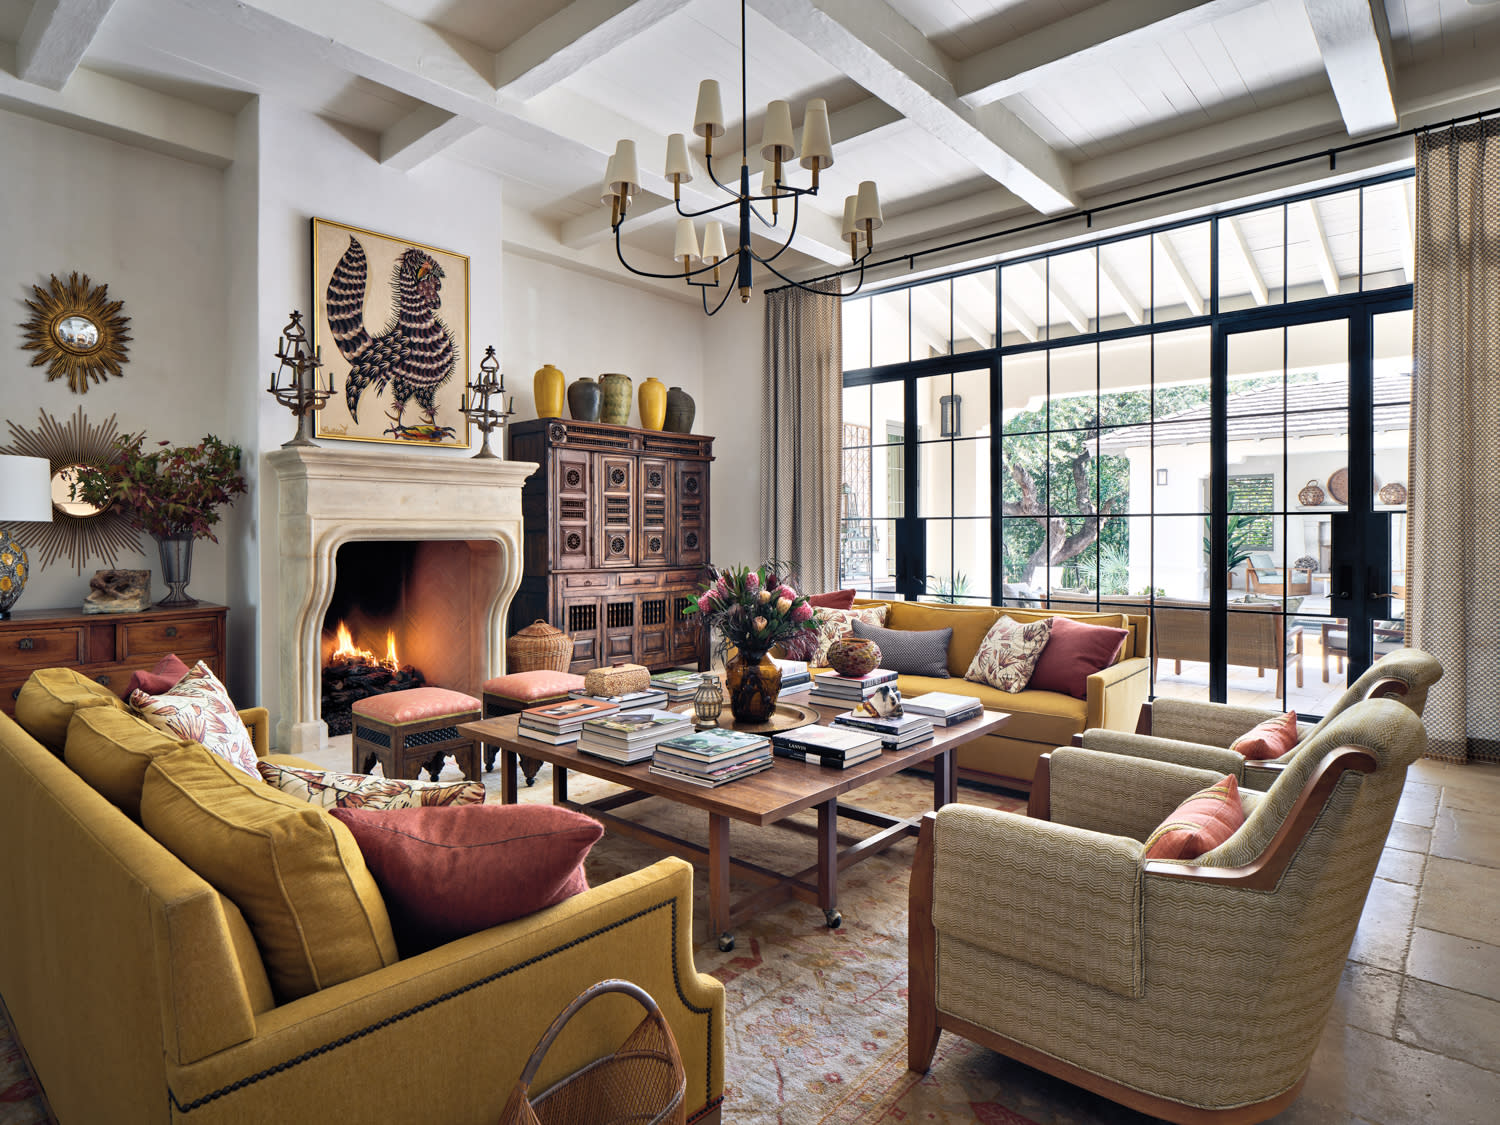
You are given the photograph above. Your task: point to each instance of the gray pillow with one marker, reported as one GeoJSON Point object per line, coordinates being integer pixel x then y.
{"type": "Point", "coordinates": [912, 652]}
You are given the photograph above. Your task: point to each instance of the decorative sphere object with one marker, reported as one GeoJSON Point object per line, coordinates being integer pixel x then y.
{"type": "Point", "coordinates": [854, 656]}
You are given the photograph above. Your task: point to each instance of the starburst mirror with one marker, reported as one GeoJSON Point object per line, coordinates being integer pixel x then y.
{"type": "Point", "coordinates": [77, 331]}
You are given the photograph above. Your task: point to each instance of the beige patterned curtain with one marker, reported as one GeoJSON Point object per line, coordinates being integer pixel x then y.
{"type": "Point", "coordinates": [1453, 541]}
{"type": "Point", "coordinates": [800, 447]}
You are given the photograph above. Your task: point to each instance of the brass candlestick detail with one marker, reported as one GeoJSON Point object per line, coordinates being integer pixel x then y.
{"type": "Point", "coordinates": [294, 384]}
{"type": "Point", "coordinates": [476, 404]}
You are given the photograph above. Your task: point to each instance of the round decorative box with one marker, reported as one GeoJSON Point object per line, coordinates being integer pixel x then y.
{"type": "Point", "coordinates": [616, 410]}
{"type": "Point", "coordinates": [585, 399]}
{"type": "Point", "coordinates": [1311, 495]}
{"type": "Point", "coordinates": [854, 656]}
{"type": "Point", "coordinates": [547, 390]}
{"type": "Point", "coordinates": [538, 647]}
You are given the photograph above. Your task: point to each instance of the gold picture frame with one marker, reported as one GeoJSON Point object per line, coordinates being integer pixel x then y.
{"type": "Point", "coordinates": [391, 327]}
{"type": "Point", "coordinates": [77, 331]}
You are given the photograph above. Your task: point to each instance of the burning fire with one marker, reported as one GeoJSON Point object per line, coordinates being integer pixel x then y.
{"type": "Point", "coordinates": [349, 652]}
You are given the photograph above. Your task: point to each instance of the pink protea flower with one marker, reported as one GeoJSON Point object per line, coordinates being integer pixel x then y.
{"type": "Point", "coordinates": [785, 591]}
{"type": "Point", "coordinates": [783, 604]}
{"type": "Point", "coordinates": [802, 612]}
{"type": "Point", "coordinates": [752, 582]}
{"type": "Point", "coordinates": [706, 603]}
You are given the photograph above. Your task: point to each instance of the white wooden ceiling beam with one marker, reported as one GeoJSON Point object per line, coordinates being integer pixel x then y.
{"type": "Point", "coordinates": [581, 33]}
{"type": "Point", "coordinates": [1317, 238]}
{"type": "Point", "coordinates": [422, 134]}
{"type": "Point", "coordinates": [1111, 280]}
{"type": "Point", "coordinates": [1018, 318]}
{"type": "Point", "coordinates": [1079, 41]}
{"type": "Point", "coordinates": [55, 38]}
{"type": "Point", "coordinates": [872, 44]}
{"type": "Point", "coordinates": [1355, 42]}
{"type": "Point", "coordinates": [974, 325]}
{"type": "Point", "coordinates": [1235, 237]}
{"type": "Point", "coordinates": [1059, 297]}
{"type": "Point", "coordinates": [1167, 255]}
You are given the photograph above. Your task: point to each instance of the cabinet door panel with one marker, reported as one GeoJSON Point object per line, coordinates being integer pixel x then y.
{"type": "Point", "coordinates": [692, 513]}
{"type": "Point", "coordinates": [574, 488]}
{"type": "Point", "coordinates": [616, 512]}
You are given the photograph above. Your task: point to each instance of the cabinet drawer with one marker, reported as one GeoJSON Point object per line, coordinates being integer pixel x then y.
{"type": "Point", "coordinates": [639, 578]}
{"type": "Point", "coordinates": [41, 648]}
{"type": "Point", "coordinates": [156, 638]}
{"type": "Point", "coordinates": [588, 581]}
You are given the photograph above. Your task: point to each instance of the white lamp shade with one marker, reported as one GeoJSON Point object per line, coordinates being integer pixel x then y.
{"type": "Point", "coordinates": [817, 141]}
{"type": "Point", "coordinates": [626, 176]}
{"type": "Point", "coordinates": [25, 489]}
{"type": "Point", "coordinates": [776, 137]}
{"type": "Point", "coordinates": [867, 209]}
{"type": "Point", "coordinates": [768, 180]}
{"type": "Point", "coordinates": [677, 159]}
{"type": "Point", "coordinates": [608, 192]}
{"type": "Point", "coordinates": [851, 227]}
{"type": "Point", "coordinates": [714, 249]}
{"type": "Point", "coordinates": [709, 119]}
{"type": "Point", "coordinates": [686, 248]}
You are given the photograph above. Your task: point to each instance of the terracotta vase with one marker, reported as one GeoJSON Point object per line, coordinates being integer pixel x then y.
{"type": "Point", "coordinates": [616, 411]}
{"type": "Point", "coordinates": [753, 682]}
{"type": "Point", "coordinates": [547, 390]}
{"type": "Point", "coordinates": [854, 656]}
{"type": "Point", "coordinates": [584, 399]}
{"type": "Point", "coordinates": [653, 403]}
{"type": "Point", "coordinates": [680, 411]}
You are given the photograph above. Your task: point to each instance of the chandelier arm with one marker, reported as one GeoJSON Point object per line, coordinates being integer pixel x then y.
{"type": "Point", "coordinates": [680, 275]}
{"type": "Point", "coordinates": [709, 161]}
{"type": "Point", "coordinates": [790, 234]}
{"type": "Point", "coordinates": [706, 210]}
{"type": "Point", "coordinates": [728, 289]}
{"type": "Point", "coordinates": [809, 289]}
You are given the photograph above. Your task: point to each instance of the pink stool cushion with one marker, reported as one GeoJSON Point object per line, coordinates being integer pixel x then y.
{"type": "Point", "coordinates": [415, 704]}
{"type": "Point", "coordinates": [541, 684]}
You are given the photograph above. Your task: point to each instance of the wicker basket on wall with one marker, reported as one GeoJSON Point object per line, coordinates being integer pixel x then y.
{"type": "Point", "coordinates": [538, 647]}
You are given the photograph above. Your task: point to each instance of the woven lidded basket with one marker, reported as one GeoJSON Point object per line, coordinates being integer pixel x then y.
{"type": "Point", "coordinates": [617, 679]}
{"type": "Point", "coordinates": [1311, 495]}
{"type": "Point", "coordinates": [538, 647]}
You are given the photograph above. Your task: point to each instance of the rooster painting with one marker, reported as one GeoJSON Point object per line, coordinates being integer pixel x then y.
{"type": "Point", "coordinates": [415, 353]}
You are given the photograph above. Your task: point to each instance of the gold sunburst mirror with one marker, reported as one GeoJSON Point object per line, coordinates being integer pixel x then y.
{"type": "Point", "coordinates": [77, 331]}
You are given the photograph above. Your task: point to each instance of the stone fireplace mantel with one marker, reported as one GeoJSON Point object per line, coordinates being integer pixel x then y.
{"type": "Point", "coordinates": [328, 497]}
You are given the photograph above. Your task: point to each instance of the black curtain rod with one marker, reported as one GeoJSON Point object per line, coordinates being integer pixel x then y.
{"type": "Point", "coordinates": [1087, 213]}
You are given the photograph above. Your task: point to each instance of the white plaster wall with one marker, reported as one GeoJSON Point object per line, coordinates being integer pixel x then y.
{"type": "Point", "coordinates": [732, 408]}
{"type": "Point", "coordinates": [151, 227]}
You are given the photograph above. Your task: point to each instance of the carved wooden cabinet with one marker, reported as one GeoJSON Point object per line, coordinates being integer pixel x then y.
{"type": "Point", "coordinates": [616, 538]}
{"type": "Point", "coordinates": [106, 647]}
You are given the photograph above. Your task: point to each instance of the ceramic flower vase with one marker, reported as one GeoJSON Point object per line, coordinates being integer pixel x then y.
{"type": "Point", "coordinates": [585, 400]}
{"type": "Point", "coordinates": [653, 403]}
{"type": "Point", "coordinates": [680, 411]}
{"type": "Point", "coordinates": [753, 682]}
{"type": "Point", "coordinates": [176, 567]}
{"type": "Point", "coordinates": [616, 411]}
{"type": "Point", "coordinates": [547, 390]}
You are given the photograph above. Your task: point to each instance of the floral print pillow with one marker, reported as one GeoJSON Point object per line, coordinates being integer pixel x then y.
{"type": "Point", "coordinates": [199, 708]}
{"type": "Point", "coordinates": [332, 790]}
{"type": "Point", "coordinates": [839, 623]}
{"type": "Point", "coordinates": [1009, 652]}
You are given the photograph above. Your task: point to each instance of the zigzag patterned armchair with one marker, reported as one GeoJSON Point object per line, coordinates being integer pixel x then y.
{"type": "Point", "coordinates": [1192, 733]}
{"type": "Point", "coordinates": [1194, 991]}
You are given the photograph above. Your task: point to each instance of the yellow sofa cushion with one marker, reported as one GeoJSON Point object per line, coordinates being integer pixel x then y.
{"type": "Point", "coordinates": [969, 625]}
{"type": "Point", "coordinates": [50, 696]}
{"type": "Point", "coordinates": [111, 749]}
{"type": "Point", "coordinates": [1035, 716]}
{"type": "Point", "coordinates": [293, 870]}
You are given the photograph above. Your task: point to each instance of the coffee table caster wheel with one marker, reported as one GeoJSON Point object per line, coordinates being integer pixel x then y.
{"type": "Point", "coordinates": [726, 942]}
{"type": "Point", "coordinates": [833, 918]}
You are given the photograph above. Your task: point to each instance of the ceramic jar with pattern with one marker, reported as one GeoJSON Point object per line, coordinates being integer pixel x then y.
{"type": "Point", "coordinates": [616, 411]}
{"type": "Point", "coordinates": [854, 656]}
{"type": "Point", "coordinates": [547, 391]}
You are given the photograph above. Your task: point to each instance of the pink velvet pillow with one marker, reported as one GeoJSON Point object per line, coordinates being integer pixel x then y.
{"type": "Point", "coordinates": [163, 678]}
{"type": "Point", "coordinates": [1074, 652]}
{"type": "Point", "coordinates": [1200, 824]}
{"type": "Point", "coordinates": [447, 872]}
{"type": "Point", "coordinates": [837, 599]}
{"type": "Point", "coordinates": [1267, 740]}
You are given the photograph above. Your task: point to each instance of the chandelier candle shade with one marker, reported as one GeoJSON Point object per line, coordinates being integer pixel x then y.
{"type": "Point", "coordinates": [778, 148]}
{"type": "Point", "coordinates": [25, 497]}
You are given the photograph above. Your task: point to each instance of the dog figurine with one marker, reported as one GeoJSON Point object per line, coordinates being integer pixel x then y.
{"type": "Point", "coordinates": [884, 703]}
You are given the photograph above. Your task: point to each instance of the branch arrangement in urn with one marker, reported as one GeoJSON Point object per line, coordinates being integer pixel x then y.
{"type": "Point", "coordinates": [170, 491]}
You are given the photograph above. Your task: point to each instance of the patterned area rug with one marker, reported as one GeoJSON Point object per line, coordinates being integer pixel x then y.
{"type": "Point", "coordinates": [816, 1017]}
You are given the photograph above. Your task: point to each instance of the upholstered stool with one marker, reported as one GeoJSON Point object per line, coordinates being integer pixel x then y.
{"type": "Point", "coordinates": [505, 695]}
{"type": "Point", "coordinates": [407, 731]}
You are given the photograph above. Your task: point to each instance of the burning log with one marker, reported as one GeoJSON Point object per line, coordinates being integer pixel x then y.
{"type": "Point", "coordinates": [352, 674]}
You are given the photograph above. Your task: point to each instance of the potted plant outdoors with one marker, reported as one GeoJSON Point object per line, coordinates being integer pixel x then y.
{"type": "Point", "coordinates": [172, 494]}
{"type": "Point", "coordinates": [1239, 529]}
{"type": "Point", "coordinates": [754, 610]}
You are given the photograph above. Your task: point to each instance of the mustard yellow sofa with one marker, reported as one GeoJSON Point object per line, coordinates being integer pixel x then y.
{"type": "Point", "coordinates": [139, 994]}
{"type": "Point", "coordinates": [1041, 721]}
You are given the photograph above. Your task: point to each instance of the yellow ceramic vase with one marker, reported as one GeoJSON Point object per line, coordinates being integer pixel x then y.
{"type": "Point", "coordinates": [652, 400]}
{"type": "Point", "coordinates": [547, 388]}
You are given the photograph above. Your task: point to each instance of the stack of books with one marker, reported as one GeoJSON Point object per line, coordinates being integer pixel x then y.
{"type": "Point", "coordinates": [896, 732]}
{"type": "Point", "coordinates": [830, 687]}
{"type": "Point", "coordinates": [679, 684]}
{"type": "Point", "coordinates": [559, 723]}
{"type": "Point", "coordinates": [630, 701]}
{"type": "Point", "coordinates": [839, 747]}
{"type": "Point", "coordinates": [795, 678]}
{"type": "Point", "coordinates": [711, 757]}
{"type": "Point", "coordinates": [944, 708]}
{"type": "Point", "coordinates": [630, 736]}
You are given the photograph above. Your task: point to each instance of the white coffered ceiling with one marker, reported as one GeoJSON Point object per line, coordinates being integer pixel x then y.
{"type": "Point", "coordinates": [971, 114]}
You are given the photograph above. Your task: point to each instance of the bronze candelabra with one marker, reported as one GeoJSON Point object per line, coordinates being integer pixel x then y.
{"type": "Point", "coordinates": [294, 384]}
{"type": "Point", "coordinates": [476, 404]}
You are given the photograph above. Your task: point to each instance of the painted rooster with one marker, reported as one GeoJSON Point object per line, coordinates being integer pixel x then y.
{"type": "Point", "coordinates": [415, 354]}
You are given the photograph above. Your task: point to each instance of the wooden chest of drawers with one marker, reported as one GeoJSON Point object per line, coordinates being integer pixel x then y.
{"type": "Point", "coordinates": [106, 646]}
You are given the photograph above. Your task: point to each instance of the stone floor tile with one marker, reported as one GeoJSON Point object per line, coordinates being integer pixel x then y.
{"type": "Point", "coordinates": [1385, 926]}
{"type": "Point", "coordinates": [1401, 867]}
{"type": "Point", "coordinates": [1467, 834]}
{"type": "Point", "coordinates": [1458, 962]}
{"type": "Point", "coordinates": [1367, 998]}
{"type": "Point", "coordinates": [1419, 804]}
{"type": "Point", "coordinates": [1394, 1083]}
{"type": "Point", "coordinates": [1457, 1024]}
{"type": "Point", "coordinates": [1409, 837]}
{"type": "Point", "coordinates": [1460, 898]}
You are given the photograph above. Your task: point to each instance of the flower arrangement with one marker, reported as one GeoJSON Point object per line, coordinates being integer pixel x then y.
{"type": "Point", "coordinates": [169, 492]}
{"type": "Point", "coordinates": [753, 609]}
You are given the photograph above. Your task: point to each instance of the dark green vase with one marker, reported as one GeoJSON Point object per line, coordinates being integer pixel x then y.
{"type": "Point", "coordinates": [680, 411]}
{"type": "Point", "coordinates": [584, 400]}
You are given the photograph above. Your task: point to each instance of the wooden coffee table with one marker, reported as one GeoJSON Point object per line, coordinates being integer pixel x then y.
{"type": "Point", "coordinates": [763, 798]}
